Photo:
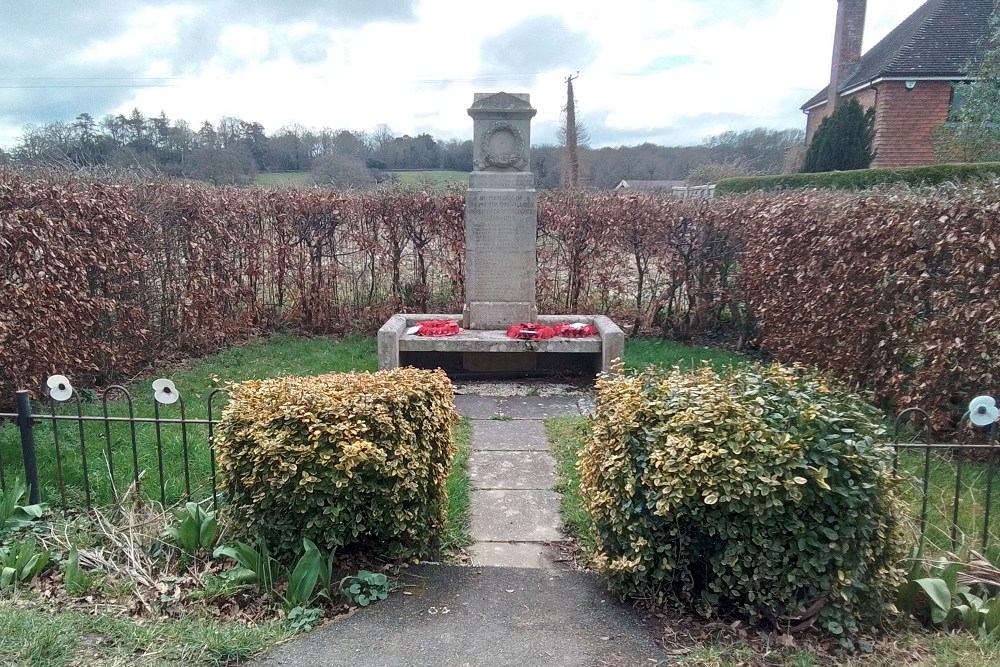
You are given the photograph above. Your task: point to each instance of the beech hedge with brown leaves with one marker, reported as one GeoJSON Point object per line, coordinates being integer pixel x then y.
{"type": "Point", "coordinates": [895, 291]}
{"type": "Point", "coordinates": [892, 290]}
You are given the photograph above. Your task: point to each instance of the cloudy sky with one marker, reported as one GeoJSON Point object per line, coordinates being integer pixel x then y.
{"type": "Point", "coordinates": [667, 71]}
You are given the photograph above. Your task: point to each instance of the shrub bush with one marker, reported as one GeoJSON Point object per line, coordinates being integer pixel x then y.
{"type": "Point", "coordinates": [861, 179]}
{"type": "Point", "coordinates": [760, 493]}
{"type": "Point", "coordinates": [346, 460]}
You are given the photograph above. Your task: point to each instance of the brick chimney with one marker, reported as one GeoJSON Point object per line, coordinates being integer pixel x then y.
{"type": "Point", "coordinates": [846, 44]}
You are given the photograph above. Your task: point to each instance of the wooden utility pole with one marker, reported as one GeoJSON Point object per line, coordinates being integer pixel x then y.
{"type": "Point", "coordinates": [571, 171]}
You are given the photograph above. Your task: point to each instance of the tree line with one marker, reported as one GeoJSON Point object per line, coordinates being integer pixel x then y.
{"type": "Point", "coordinates": [233, 151]}
{"type": "Point", "coordinates": [229, 151]}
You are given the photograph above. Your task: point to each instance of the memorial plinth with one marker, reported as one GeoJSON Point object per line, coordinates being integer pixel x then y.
{"type": "Point", "coordinates": [501, 213]}
{"type": "Point", "coordinates": [501, 218]}
{"type": "Point", "coordinates": [493, 352]}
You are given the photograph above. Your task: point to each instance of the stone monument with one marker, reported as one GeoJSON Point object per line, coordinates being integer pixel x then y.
{"type": "Point", "coordinates": [501, 216]}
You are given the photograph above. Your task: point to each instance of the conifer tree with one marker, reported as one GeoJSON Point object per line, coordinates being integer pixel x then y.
{"type": "Point", "coordinates": [843, 141]}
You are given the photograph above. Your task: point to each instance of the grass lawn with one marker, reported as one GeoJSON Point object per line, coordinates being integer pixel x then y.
{"type": "Point", "coordinates": [643, 352]}
{"type": "Point", "coordinates": [457, 532]}
{"type": "Point", "coordinates": [941, 468]}
{"type": "Point", "coordinates": [278, 355]}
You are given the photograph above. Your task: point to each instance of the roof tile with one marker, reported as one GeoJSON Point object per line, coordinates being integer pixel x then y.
{"type": "Point", "coordinates": [942, 38]}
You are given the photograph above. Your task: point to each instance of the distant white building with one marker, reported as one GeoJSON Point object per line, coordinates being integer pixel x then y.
{"type": "Point", "coordinates": [649, 185]}
{"type": "Point", "coordinates": [676, 188]}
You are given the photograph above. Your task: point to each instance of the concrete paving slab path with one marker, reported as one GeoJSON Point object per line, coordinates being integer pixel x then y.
{"type": "Point", "coordinates": [525, 470]}
{"type": "Point", "coordinates": [516, 516]}
{"type": "Point", "coordinates": [477, 407]}
{"type": "Point", "coordinates": [519, 434]}
{"type": "Point", "coordinates": [540, 407]}
{"type": "Point", "coordinates": [482, 617]}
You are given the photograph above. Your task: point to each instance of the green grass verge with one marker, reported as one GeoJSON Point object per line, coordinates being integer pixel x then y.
{"type": "Point", "coordinates": [643, 352]}
{"type": "Point", "coordinates": [567, 437]}
{"type": "Point", "coordinates": [457, 532]}
{"type": "Point", "coordinates": [270, 357]}
{"type": "Point", "coordinates": [36, 636]}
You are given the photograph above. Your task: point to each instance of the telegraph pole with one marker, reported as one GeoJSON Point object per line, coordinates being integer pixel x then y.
{"type": "Point", "coordinates": [571, 173]}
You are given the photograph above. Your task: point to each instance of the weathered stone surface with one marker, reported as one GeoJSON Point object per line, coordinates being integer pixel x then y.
{"type": "Point", "coordinates": [501, 215]}
{"type": "Point", "coordinates": [501, 132]}
{"type": "Point", "coordinates": [512, 470]}
{"type": "Point", "coordinates": [608, 345]}
{"type": "Point", "coordinates": [500, 247]}
{"type": "Point", "coordinates": [612, 341]}
{"type": "Point", "coordinates": [388, 342]}
{"type": "Point", "coordinates": [501, 219]}
{"type": "Point", "coordinates": [485, 315]}
{"type": "Point", "coordinates": [520, 434]}
{"type": "Point", "coordinates": [515, 516]}
{"type": "Point", "coordinates": [488, 180]}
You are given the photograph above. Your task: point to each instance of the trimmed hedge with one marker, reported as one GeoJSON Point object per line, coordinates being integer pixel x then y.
{"type": "Point", "coordinates": [760, 493]}
{"type": "Point", "coordinates": [861, 179]}
{"type": "Point", "coordinates": [347, 460]}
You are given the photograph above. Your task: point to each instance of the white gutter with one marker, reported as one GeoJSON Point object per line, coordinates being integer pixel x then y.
{"type": "Point", "coordinates": [879, 80]}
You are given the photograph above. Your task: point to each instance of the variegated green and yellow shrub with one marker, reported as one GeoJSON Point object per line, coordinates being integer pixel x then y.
{"type": "Point", "coordinates": [761, 493]}
{"type": "Point", "coordinates": [353, 460]}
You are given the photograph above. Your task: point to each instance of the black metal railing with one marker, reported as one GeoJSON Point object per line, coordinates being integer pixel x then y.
{"type": "Point", "coordinates": [61, 437]}
{"type": "Point", "coordinates": [951, 483]}
{"type": "Point", "coordinates": [954, 481]}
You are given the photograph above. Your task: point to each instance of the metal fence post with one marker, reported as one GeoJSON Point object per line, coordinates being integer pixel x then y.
{"type": "Point", "coordinates": [24, 422]}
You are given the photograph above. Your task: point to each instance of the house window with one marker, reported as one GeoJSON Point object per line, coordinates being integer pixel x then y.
{"type": "Point", "coordinates": [959, 90]}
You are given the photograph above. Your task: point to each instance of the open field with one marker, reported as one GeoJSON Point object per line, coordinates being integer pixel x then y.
{"type": "Point", "coordinates": [432, 178]}
{"type": "Point", "coordinates": [285, 179]}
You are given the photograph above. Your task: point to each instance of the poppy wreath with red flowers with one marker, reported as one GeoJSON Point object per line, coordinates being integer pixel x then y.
{"type": "Point", "coordinates": [574, 330]}
{"type": "Point", "coordinates": [530, 331]}
{"type": "Point", "coordinates": [438, 328]}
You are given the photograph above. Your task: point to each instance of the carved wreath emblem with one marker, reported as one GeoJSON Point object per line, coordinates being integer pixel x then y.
{"type": "Point", "coordinates": [503, 146]}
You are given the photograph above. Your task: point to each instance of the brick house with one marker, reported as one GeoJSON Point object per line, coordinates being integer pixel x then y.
{"type": "Point", "coordinates": [909, 76]}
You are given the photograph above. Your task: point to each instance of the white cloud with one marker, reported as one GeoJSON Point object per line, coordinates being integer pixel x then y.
{"type": "Point", "coordinates": [148, 29]}
{"type": "Point", "coordinates": [723, 64]}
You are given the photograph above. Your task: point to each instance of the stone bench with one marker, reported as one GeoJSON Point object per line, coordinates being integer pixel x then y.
{"type": "Point", "coordinates": [489, 351]}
